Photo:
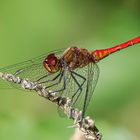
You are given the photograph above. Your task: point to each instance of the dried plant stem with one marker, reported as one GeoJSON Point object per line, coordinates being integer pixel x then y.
{"type": "Point", "coordinates": [87, 127]}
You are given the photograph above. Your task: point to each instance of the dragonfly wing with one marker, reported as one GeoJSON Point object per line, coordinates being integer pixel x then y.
{"type": "Point", "coordinates": [16, 69]}
{"type": "Point", "coordinates": [80, 85]}
{"type": "Point", "coordinates": [32, 70]}
{"type": "Point", "coordinates": [93, 75]}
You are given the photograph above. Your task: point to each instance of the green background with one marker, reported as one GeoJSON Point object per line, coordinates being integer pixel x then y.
{"type": "Point", "coordinates": [29, 28]}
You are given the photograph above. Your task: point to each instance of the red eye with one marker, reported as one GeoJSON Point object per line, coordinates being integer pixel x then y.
{"type": "Point", "coordinates": [51, 60]}
{"type": "Point", "coordinates": [51, 63]}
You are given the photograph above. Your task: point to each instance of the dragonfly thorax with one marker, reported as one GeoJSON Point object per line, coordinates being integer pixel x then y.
{"type": "Point", "coordinates": [51, 63]}
{"type": "Point", "coordinates": [77, 57]}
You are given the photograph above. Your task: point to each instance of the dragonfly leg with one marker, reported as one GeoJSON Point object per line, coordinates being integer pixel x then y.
{"type": "Point", "coordinates": [46, 75]}
{"type": "Point", "coordinates": [85, 101]}
{"type": "Point", "coordinates": [49, 80]}
{"type": "Point", "coordinates": [59, 81]}
{"type": "Point", "coordinates": [79, 85]}
{"type": "Point", "coordinates": [64, 84]}
{"type": "Point", "coordinates": [80, 88]}
{"type": "Point", "coordinates": [78, 75]}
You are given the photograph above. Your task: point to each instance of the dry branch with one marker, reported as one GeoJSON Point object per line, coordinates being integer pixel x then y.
{"type": "Point", "coordinates": [87, 127]}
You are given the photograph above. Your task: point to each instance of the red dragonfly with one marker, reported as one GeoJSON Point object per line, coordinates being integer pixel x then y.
{"type": "Point", "coordinates": [70, 73]}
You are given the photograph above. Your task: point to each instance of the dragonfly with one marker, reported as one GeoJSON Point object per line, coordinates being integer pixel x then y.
{"type": "Point", "coordinates": [71, 72]}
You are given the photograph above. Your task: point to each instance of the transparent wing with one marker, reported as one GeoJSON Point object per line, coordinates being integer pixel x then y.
{"type": "Point", "coordinates": [80, 85]}
{"type": "Point", "coordinates": [32, 69]}
{"type": "Point", "coordinates": [91, 72]}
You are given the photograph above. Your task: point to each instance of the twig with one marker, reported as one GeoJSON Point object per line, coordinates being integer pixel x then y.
{"type": "Point", "coordinates": [87, 127]}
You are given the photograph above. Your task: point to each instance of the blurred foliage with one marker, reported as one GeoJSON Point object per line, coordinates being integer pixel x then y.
{"type": "Point", "coordinates": [31, 27]}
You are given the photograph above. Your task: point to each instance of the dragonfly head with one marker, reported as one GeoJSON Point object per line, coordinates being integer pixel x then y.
{"type": "Point", "coordinates": [51, 63]}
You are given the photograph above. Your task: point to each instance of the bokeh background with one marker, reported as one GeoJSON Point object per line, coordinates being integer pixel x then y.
{"type": "Point", "coordinates": [29, 28]}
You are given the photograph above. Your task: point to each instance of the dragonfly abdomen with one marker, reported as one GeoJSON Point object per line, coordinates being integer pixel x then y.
{"type": "Point", "coordinates": [100, 54]}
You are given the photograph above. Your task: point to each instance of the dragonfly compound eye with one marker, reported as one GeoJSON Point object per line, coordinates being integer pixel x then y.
{"type": "Point", "coordinates": [51, 63]}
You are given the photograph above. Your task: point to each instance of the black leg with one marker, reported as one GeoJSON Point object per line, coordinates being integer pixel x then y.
{"type": "Point", "coordinates": [78, 94]}
{"type": "Point", "coordinates": [51, 79]}
{"type": "Point", "coordinates": [78, 75]}
{"type": "Point", "coordinates": [86, 95]}
{"type": "Point", "coordinates": [64, 84]}
{"type": "Point", "coordinates": [61, 75]}
{"type": "Point", "coordinates": [43, 77]}
{"type": "Point", "coordinates": [79, 85]}
{"type": "Point", "coordinates": [85, 100]}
